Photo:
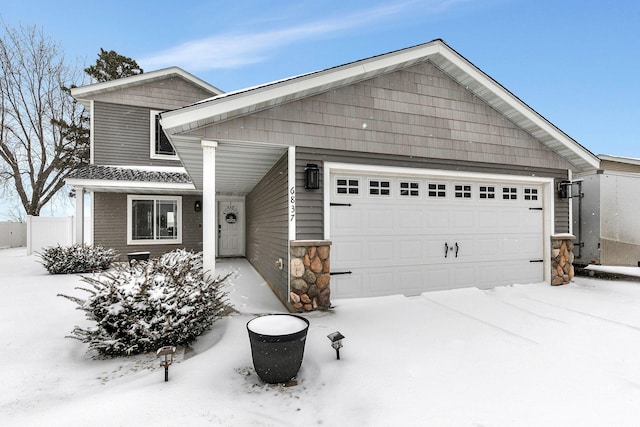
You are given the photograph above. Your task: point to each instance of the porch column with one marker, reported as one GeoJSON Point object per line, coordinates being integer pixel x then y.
{"type": "Point", "coordinates": [209, 227]}
{"type": "Point", "coordinates": [79, 214]}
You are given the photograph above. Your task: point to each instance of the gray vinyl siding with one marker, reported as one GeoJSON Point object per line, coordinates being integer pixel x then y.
{"type": "Point", "coordinates": [110, 226]}
{"type": "Point", "coordinates": [268, 227]}
{"type": "Point", "coordinates": [309, 203]}
{"type": "Point", "coordinates": [121, 136]}
{"type": "Point", "coordinates": [121, 120]}
{"type": "Point", "coordinates": [418, 112]}
{"type": "Point", "coordinates": [162, 94]}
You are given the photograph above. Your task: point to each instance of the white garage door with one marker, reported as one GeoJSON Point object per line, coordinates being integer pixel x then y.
{"type": "Point", "coordinates": [404, 235]}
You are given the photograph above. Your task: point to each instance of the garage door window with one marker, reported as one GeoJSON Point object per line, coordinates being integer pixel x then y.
{"type": "Point", "coordinates": [379, 188]}
{"type": "Point", "coordinates": [409, 189]}
{"type": "Point", "coordinates": [509, 193]}
{"type": "Point", "coordinates": [531, 194]}
{"type": "Point", "coordinates": [487, 192]}
{"type": "Point", "coordinates": [437, 191]}
{"type": "Point", "coordinates": [348, 186]}
{"type": "Point", "coordinates": [462, 191]}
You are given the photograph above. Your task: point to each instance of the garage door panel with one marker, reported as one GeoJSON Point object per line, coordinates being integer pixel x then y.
{"type": "Point", "coordinates": [463, 219]}
{"type": "Point", "coordinates": [380, 219]}
{"type": "Point", "coordinates": [436, 219]}
{"type": "Point", "coordinates": [465, 250]}
{"type": "Point", "coordinates": [488, 247]}
{"type": "Point", "coordinates": [347, 286]}
{"type": "Point", "coordinates": [487, 219]}
{"type": "Point", "coordinates": [410, 249]}
{"type": "Point", "coordinates": [411, 280]}
{"type": "Point", "coordinates": [488, 275]}
{"type": "Point", "coordinates": [409, 220]}
{"type": "Point", "coordinates": [463, 276]}
{"type": "Point", "coordinates": [397, 244]}
{"type": "Point", "coordinates": [436, 250]}
{"type": "Point", "coordinates": [346, 220]}
{"type": "Point", "coordinates": [522, 272]}
{"type": "Point", "coordinates": [522, 247]}
{"type": "Point", "coordinates": [380, 251]}
{"type": "Point", "coordinates": [381, 282]}
{"type": "Point", "coordinates": [438, 278]}
{"type": "Point", "coordinates": [347, 252]}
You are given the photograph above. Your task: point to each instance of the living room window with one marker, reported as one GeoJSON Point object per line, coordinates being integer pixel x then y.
{"type": "Point", "coordinates": [154, 219]}
{"type": "Point", "coordinates": [161, 147]}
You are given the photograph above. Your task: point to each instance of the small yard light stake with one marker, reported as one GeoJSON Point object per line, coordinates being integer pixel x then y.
{"type": "Point", "coordinates": [167, 352]}
{"type": "Point", "coordinates": [336, 342]}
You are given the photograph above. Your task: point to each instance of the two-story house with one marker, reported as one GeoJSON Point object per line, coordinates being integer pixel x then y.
{"type": "Point", "coordinates": [142, 198]}
{"type": "Point", "coordinates": [401, 173]}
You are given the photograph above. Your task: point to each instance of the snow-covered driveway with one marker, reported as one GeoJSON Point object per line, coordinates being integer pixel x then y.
{"type": "Point", "coordinates": [518, 355]}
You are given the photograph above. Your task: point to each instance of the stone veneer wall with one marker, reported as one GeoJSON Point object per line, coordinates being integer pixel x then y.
{"type": "Point", "coordinates": [562, 271]}
{"type": "Point", "coordinates": [309, 269]}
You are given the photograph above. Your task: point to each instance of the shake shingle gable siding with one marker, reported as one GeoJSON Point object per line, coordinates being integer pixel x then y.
{"type": "Point", "coordinates": [112, 173]}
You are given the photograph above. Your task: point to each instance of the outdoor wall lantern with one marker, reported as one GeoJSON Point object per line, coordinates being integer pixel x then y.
{"type": "Point", "coordinates": [564, 189]}
{"type": "Point", "coordinates": [197, 205]}
{"type": "Point", "coordinates": [311, 177]}
{"type": "Point", "coordinates": [167, 352]}
{"type": "Point", "coordinates": [336, 342]}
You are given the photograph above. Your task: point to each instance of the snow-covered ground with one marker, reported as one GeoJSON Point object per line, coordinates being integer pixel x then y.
{"type": "Point", "coordinates": [511, 356]}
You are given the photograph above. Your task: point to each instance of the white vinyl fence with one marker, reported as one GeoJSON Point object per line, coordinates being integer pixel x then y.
{"type": "Point", "coordinates": [45, 231]}
{"type": "Point", "coordinates": [13, 234]}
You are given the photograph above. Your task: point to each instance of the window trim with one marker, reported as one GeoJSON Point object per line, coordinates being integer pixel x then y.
{"type": "Point", "coordinates": [437, 190]}
{"type": "Point", "coordinates": [152, 139]}
{"type": "Point", "coordinates": [348, 186]}
{"type": "Point", "coordinates": [410, 189]}
{"type": "Point", "coordinates": [380, 188]}
{"type": "Point", "coordinates": [155, 241]}
{"type": "Point", "coordinates": [463, 191]}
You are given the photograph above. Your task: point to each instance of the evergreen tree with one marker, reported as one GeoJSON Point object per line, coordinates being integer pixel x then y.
{"type": "Point", "coordinates": [111, 66]}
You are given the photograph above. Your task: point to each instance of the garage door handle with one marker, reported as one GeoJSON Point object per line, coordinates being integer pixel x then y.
{"type": "Point", "coordinates": [457, 249]}
{"type": "Point", "coordinates": [446, 249]}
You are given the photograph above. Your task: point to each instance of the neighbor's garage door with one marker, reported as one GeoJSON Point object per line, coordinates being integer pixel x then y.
{"type": "Point", "coordinates": [400, 235]}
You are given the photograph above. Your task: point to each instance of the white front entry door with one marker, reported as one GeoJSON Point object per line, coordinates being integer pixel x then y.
{"type": "Point", "coordinates": [231, 228]}
{"type": "Point", "coordinates": [406, 235]}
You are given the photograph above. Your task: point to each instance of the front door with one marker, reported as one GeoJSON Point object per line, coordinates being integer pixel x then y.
{"type": "Point", "coordinates": [231, 228]}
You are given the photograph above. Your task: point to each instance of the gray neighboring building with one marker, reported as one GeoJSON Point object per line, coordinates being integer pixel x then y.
{"type": "Point", "coordinates": [402, 173]}
{"type": "Point", "coordinates": [605, 213]}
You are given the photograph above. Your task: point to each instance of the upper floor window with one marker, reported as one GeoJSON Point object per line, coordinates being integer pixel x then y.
{"type": "Point", "coordinates": [161, 147]}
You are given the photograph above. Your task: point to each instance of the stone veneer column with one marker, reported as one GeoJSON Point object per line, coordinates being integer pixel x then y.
{"type": "Point", "coordinates": [562, 271]}
{"type": "Point", "coordinates": [309, 269]}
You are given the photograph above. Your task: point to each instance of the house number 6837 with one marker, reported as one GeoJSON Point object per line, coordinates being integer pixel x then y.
{"type": "Point", "coordinates": [292, 202]}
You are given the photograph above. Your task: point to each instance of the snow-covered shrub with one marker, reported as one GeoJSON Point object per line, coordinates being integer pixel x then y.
{"type": "Point", "coordinates": [76, 258]}
{"type": "Point", "coordinates": [143, 306]}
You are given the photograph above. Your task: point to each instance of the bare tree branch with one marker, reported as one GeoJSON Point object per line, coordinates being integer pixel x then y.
{"type": "Point", "coordinates": [43, 133]}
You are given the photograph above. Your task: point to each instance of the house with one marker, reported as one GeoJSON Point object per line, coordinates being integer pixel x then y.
{"type": "Point", "coordinates": [138, 186]}
{"type": "Point", "coordinates": [401, 173]}
{"type": "Point", "coordinates": [605, 213]}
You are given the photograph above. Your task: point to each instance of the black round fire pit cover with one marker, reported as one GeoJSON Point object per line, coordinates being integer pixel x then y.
{"type": "Point", "coordinates": [277, 345]}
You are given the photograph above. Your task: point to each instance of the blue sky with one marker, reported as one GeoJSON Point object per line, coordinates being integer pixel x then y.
{"type": "Point", "coordinates": [574, 62]}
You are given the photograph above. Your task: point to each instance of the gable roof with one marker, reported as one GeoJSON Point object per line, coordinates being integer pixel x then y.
{"type": "Point", "coordinates": [87, 92]}
{"type": "Point", "coordinates": [247, 101]}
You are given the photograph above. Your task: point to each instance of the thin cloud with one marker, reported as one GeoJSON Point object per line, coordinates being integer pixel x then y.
{"type": "Point", "coordinates": [233, 50]}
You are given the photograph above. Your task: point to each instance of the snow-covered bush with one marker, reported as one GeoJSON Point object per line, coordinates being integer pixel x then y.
{"type": "Point", "coordinates": [76, 258]}
{"type": "Point", "coordinates": [143, 306]}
